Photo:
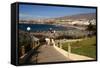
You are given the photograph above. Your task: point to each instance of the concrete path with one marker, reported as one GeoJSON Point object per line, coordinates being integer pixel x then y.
{"type": "Point", "coordinates": [49, 54]}
{"type": "Point", "coordinates": [53, 54]}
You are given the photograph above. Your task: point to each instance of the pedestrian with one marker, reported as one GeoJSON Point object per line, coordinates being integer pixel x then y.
{"type": "Point", "coordinates": [47, 41]}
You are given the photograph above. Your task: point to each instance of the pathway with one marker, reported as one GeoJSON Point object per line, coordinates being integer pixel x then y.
{"type": "Point", "coordinates": [46, 54]}
{"type": "Point", "coordinates": [49, 54]}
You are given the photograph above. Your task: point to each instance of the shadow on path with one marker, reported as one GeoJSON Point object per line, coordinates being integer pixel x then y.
{"type": "Point", "coordinates": [32, 54]}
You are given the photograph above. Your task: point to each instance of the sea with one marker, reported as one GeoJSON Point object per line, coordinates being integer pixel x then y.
{"type": "Point", "coordinates": [43, 27]}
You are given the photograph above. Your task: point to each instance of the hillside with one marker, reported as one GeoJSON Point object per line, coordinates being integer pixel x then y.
{"type": "Point", "coordinates": [87, 16]}
{"type": "Point", "coordinates": [62, 20]}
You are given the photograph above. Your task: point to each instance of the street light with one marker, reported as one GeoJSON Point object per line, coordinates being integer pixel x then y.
{"type": "Point", "coordinates": [28, 28]}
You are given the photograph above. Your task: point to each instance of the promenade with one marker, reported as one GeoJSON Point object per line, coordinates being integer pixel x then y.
{"type": "Point", "coordinates": [45, 54]}
{"type": "Point", "coordinates": [49, 54]}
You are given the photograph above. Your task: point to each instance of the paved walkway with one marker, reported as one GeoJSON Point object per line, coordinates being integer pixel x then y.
{"type": "Point", "coordinates": [49, 54]}
{"type": "Point", "coordinates": [52, 54]}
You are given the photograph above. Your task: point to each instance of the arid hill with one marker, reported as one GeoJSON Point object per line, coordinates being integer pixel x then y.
{"type": "Point", "coordinates": [79, 17]}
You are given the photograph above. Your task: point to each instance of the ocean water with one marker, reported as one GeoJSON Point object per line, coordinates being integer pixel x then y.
{"type": "Point", "coordinates": [43, 27]}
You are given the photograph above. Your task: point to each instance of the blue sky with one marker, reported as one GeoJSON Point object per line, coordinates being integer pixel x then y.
{"type": "Point", "coordinates": [40, 11]}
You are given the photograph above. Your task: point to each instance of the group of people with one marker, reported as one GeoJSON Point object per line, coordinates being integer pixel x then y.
{"type": "Point", "coordinates": [49, 42]}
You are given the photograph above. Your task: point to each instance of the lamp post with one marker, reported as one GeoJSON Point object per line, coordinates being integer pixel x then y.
{"type": "Point", "coordinates": [23, 47]}
{"type": "Point", "coordinates": [52, 36]}
{"type": "Point", "coordinates": [28, 29]}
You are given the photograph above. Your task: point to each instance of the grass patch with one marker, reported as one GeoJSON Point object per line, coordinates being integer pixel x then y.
{"type": "Point", "coordinates": [86, 47]}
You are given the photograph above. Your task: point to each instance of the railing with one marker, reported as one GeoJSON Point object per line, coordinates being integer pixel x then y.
{"type": "Point", "coordinates": [60, 45]}
{"type": "Point", "coordinates": [32, 52]}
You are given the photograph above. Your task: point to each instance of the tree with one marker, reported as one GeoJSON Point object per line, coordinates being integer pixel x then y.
{"type": "Point", "coordinates": [91, 28]}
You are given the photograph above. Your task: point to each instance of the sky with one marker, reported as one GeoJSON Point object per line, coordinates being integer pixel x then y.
{"type": "Point", "coordinates": [40, 11]}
